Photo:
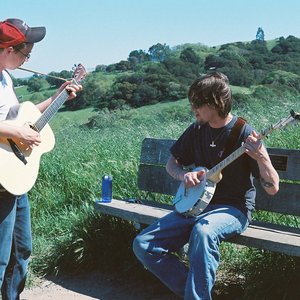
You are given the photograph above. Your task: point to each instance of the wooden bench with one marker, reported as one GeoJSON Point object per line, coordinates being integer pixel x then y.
{"type": "Point", "coordinates": [153, 178]}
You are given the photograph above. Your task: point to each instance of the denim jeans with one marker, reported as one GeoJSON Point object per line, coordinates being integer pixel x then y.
{"type": "Point", "coordinates": [15, 244]}
{"type": "Point", "coordinates": [155, 247]}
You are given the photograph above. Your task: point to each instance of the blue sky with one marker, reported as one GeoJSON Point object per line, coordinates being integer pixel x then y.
{"type": "Point", "coordinates": [95, 32]}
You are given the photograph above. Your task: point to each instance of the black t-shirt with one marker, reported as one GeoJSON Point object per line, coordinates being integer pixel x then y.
{"type": "Point", "coordinates": [236, 187]}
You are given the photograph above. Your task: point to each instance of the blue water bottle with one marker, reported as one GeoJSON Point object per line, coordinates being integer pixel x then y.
{"type": "Point", "coordinates": [106, 188]}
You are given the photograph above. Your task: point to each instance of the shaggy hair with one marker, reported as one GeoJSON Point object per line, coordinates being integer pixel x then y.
{"type": "Point", "coordinates": [211, 89]}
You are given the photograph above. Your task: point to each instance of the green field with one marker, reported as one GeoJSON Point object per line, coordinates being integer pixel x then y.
{"type": "Point", "coordinates": [69, 235]}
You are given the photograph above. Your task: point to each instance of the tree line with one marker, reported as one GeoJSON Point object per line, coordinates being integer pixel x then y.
{"type": "Point", "coordinates": [164, 73]}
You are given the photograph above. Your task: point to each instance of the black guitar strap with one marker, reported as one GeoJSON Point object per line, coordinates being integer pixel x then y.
{"type": "Point", "coordinates": [233, 137]}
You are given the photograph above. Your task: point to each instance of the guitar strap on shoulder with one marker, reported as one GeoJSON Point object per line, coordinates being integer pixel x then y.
{"type": "Point", "coordinates": [233, 137]}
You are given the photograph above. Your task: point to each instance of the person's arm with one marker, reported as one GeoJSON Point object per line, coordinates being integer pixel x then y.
{"type": "Point", "coordinates": [25, 134]}
{"type": "Point", "coordinates": [176, 171]}
{"type": "Point", "coordinates": [268, 175]}
{"type": "Point", "coordinates": [71, 88]}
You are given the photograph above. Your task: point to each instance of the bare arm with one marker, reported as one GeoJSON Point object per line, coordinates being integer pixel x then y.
{"type": "Point", "coordinates": [71, 88]}
{"type": "Point", "coordinates": [268, 175]}
{"type": "Point", "coordinates": [25, 134]}
{"type": "Point", "coordinates": [176, 171]}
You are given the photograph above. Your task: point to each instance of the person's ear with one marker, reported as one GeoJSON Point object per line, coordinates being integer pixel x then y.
{"type": "Point", "coordinates": [10, 49]}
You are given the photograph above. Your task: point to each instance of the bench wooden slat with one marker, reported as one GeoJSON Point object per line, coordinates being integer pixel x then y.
{"type": "Point", "coordinates": [139, 213]}
{"type": "Point", "coordinates": [155, 151]}
{"type": "Point", "coordinates": [271, 237]}
{"type": "Point", "coordinates": [285, 201]}
{"type": "Point", "coordinates": [285, 161]}
{"type": "Point", "coordinates": [156, 179]}
{"type": "Point", "coordinates": [260, 235]}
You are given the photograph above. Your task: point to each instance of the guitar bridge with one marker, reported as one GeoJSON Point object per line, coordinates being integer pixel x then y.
{"type": "Point", "coordinates": [17, 151]}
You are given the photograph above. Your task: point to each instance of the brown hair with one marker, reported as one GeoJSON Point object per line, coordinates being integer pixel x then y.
{"type": "Point", "coordinates": [21, 46]}
{"type": "Point", "coordinates": [212, 89]}
{"type": "Point", "coordinates": [18, 47]}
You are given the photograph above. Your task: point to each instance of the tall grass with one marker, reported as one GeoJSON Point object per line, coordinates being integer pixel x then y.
{"type": "Point", "coordinates": [68, 234]}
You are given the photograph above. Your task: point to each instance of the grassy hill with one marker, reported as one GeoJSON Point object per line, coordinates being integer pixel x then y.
{"type": "Point", "coordinates": [69, 235]}
{"type": "Point", "coordinates": [166, 73]}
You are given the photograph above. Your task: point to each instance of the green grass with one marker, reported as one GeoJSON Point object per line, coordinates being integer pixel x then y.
{"type": "Point", "coordinates": [35, 97]}
{"type": "Point", "coordinates": [70, 236]}
{"type": "Point", "coordinates": [241, 90]}
{"type": "Point", "coordinates": [272, 43]}
{"type": "Point", "coordinates": [63, 120]}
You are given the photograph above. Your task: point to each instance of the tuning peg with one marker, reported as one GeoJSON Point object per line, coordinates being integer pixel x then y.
{"type": "Point", "coordinates": [295, 115]}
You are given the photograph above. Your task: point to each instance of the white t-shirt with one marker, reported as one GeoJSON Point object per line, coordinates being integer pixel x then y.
{"type": "Point", "coordinates": [9, 103]}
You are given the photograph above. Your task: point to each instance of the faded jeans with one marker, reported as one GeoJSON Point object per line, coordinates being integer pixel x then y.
{"type": "Point", "coordinates": [15, 244]}
{"type": "Point", "coordinates": [155, 246]}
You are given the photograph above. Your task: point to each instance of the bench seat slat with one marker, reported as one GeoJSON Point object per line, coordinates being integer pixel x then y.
{"type": "Point", "coordinates": [271, 237]}
{"type": "Point", "coordinates": [136, 212]}
{"type": "Point", "coordinates": [259, 234]}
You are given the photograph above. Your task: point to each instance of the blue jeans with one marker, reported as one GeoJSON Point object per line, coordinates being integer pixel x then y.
{"type": "Point", "coordinates": [155, 247]}
{"type": "Point", "coordinates": [15, 244]}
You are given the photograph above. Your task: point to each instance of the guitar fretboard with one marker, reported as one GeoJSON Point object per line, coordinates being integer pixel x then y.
{"type": "Point", "coordinates": [240, 151]}
{"type": "Point", "coordinates": [51, 110]}
{"type": "Point", "coordinates": [224, 163]}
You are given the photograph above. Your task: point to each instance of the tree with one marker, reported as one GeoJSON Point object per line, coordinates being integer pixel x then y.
{"type": "Point", "coordinates": [138, 57]}
{"type": "Point", "coordinates": [214, 61]}
{"type": "Point", "coordinates": [36, 83]}
{"type": "Point", "coordinates": [159, 52]}
{"type": "Point", "coordinates": [100, 68]}
{"type": "Point", "coordinates": [260, 35]}
{"type": "Point", "coordinates": [19, 81]}
{"type": "Point", "coordinates": [189, 55]}
{"type": "Point", "coordinates": [184, 72]}
{"type": "Point", "coordinates": [121, 66]}
{"type": "Point", "coordinates": [284, 46]}
{"type": "Point", "coordinates": [57, 82]}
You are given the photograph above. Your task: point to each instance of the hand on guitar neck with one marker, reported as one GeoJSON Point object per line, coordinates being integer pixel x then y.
{"type": "Point", "coordinates": [254, 147]}
{"type": "Point", "coordinates": [71, 88]}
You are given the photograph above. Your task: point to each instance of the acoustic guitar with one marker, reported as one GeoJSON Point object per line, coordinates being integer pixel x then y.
{"type": "Point", "coordinates": [19, 165]}
{"type": "Point", "coordinates": [192, 201]}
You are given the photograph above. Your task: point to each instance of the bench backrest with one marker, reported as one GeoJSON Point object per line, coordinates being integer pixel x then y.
{"type": "Point", "coordinates": [153, 177]}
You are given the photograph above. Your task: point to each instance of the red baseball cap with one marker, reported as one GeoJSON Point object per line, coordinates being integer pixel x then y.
{"type": "Point", "coordinates": [16, 31]}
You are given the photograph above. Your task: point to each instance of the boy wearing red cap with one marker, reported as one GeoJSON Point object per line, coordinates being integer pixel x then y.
{"type": "Point", "coordinates": [16, 42]}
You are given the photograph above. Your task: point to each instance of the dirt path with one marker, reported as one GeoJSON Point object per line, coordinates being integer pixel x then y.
{"type": "Point", "coordinates": [101, 286]}
{"type": "Point", "coordinates": [95, 286]}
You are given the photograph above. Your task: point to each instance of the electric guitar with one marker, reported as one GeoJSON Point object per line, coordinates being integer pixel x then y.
{"type": "Point", "coordinates": [19, 165]}
{"type": "Point", "coordinates": [192, 201]}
